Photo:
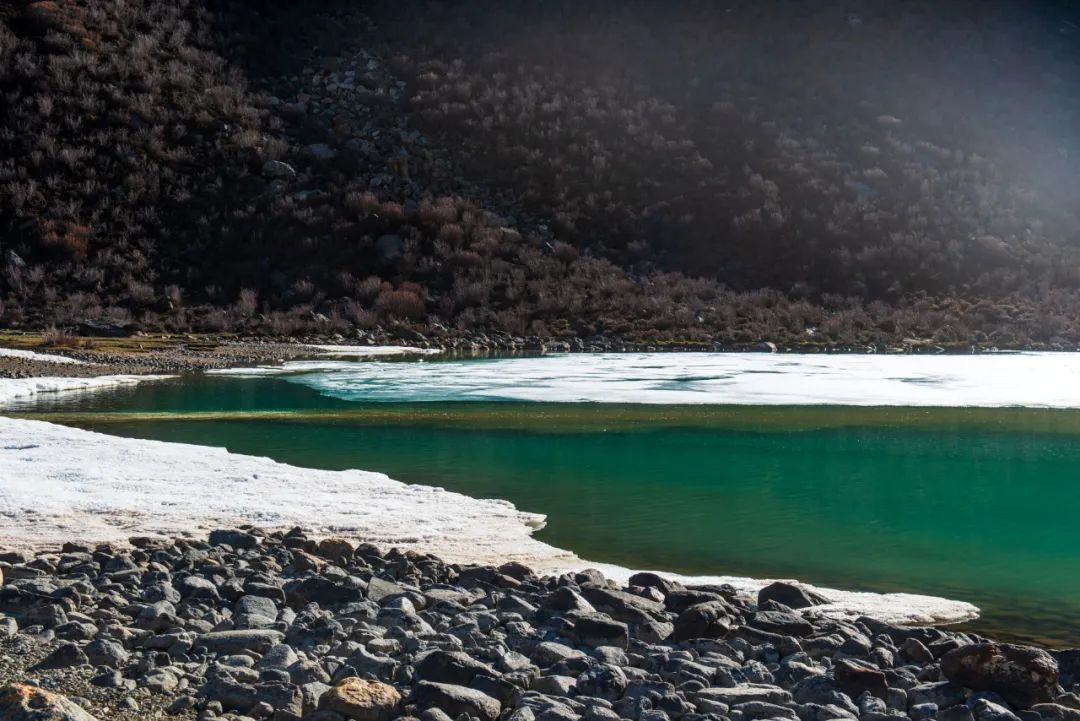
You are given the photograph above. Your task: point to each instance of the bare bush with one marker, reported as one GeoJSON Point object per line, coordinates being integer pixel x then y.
{"type": "Point", "coordinates": [59, 337]}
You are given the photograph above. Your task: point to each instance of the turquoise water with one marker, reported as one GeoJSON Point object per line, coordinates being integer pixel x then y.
{"type": "Point", "coordinates": [973, 504]}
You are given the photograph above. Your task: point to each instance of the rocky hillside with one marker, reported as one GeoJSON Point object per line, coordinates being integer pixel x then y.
{"type": "Point", "coordinates": [834, 175]}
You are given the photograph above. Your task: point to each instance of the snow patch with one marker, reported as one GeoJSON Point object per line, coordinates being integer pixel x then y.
{"type": "Point", "coordinates": [94, 487]}
{"type": "Point", "coordinates": [42, 357]}
{"type": "Point", "coordinates": [21, 388]}
{"type": "Point", "coordinates": [364, 351]}
{"type": "Point", "coordinates": [898, 608]}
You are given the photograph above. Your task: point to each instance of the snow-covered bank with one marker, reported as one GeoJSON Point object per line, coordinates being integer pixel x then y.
{"type": "Point", "coordinates": [336, 356]}
{"type": "Point", "coordinates": [366, 351]}
{"type": "Point", "coordinates": [42, 357]}
{"type": "Point", "coordinates": [901, 608]}
{"type": "Point", "coordinates": [59, 484]}
{"type": "Point", "coordinates": [20, 388]}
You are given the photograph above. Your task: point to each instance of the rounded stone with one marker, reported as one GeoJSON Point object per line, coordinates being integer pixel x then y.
{"type": "Point", "coordinates": [19, 702]}
{"type": "Point", "coordinates": [361, 700]}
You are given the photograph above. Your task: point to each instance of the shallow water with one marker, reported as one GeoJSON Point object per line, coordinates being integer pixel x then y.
{"type": "Point", "coordinates": [971, 503]}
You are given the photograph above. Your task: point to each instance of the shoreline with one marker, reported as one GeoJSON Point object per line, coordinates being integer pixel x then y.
{"type": "Point", "coordinates": [120, 495]}
{"type": "Point", "coordinates": [116, 505]}
{"type": "Point", "coordinates": [152, 353]}
{"type": "Point", "coordinates": [293, 627]}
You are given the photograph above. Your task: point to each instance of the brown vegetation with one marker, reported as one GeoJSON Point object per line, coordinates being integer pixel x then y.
{"type": "Point", "coordinates": [656, 174]}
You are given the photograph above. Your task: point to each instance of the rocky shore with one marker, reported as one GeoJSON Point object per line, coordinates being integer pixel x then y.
{"type": "Point", "coordinates": [151, 354]}
{"type": "Point", "coordinates": [282, 626]}
{"type": "Point", "coordinates": [178, 358]}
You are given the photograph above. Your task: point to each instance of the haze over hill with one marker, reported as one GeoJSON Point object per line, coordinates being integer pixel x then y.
{"type": "Point", "coordinates": [838, 172]}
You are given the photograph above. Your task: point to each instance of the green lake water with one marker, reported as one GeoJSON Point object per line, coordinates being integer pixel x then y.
{"type": "Point", "coordinates": [974, 504]}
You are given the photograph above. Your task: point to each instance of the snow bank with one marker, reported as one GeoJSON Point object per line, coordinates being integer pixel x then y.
{"type": "Point", "coordinates": [330, 351]}
{"type": "Point", "coordinates": [43, 357]}
{"type": "Point", "coordinates": [21, 388]}
{"type": "Point", "coordinates": [59, 484]}
{"type": "Point", "coordinates": [899, 608]}
{"type": "Point", "coordinates": [363, 351]}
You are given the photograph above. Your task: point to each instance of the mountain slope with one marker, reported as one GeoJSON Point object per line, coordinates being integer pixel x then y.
{"type": "Point", "coordinates": [650, 172]}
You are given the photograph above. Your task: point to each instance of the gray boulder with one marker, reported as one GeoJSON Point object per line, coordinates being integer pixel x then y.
{"type": "Point", "coordinates": [1023, 675]}
{"type": "Point", "coordinates": [791, 595]}
{"type": "Point", "coordinates": [237, 641]}
{"type": "Point", "coordinates": [103, 652]}
{"type": "Point", "coordinates": [704, 620]}
{"type": "Point", "coordinates": [456, 700]}
{"type": "Point", "coordinates": [454, 667]}
{"type": "Point", "coordinates": [597, 629]}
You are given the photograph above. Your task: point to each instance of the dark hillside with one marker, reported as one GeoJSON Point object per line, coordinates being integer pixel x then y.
{"type": "Point", "coordinates": [832, 173]}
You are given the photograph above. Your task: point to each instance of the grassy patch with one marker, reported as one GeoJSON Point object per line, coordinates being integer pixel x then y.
{"type": "Point", "coordinates": [136, 345]}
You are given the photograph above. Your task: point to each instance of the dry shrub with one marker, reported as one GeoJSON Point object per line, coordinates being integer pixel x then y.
{"type": "Point", "coordinates": [64, 17]}
{"type": "Point", "coordinates": [360, 316]}
{"type": "Point", "coordinates": [437, 213]}
{"type": "Point", "coordinates": [362, 204]}
{"type": "Point", "coordinates": [452, 233]}
{"type": "Point", "coordinates": [392, 211]}
{"type": "Point", "coordinates": [59, 337]}
{"type": "Point", "coordinates": [368, 289]}
{"type": "Point", "coordinates": [565, 252]}
{"type": "Point", "coordinates": [248, 302]}
{"type": "Point", "coordinates": [401, 304]}
{"type": "Point", "coordinates": [72, 238]}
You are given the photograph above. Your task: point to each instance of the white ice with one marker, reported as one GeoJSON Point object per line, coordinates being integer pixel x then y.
{"type": "Point", "coordinates": [1050, 380]}
{"type": "Point", "coordinates": [364, 351]}
{"type": "Point", "coordinates": [43, 357]}
{"type": "Point", "coordinates": [12, 389]}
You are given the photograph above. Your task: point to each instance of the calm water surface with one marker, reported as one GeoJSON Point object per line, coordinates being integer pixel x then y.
{"type": "Point", "coordinates": [978, 504]}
